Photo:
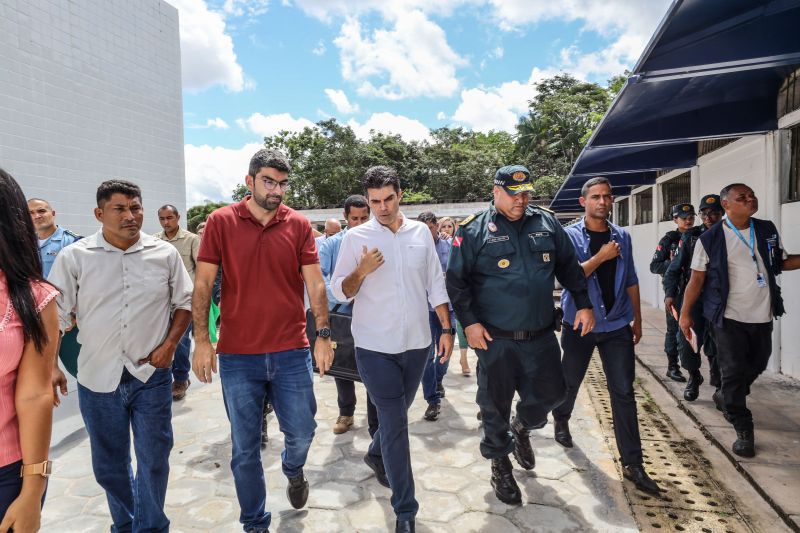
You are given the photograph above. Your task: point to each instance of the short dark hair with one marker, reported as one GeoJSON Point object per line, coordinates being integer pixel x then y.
{"type": "Point", "coordinates": [599, 180]}
{"type": "Point", "coordinates": [170, 206]}
{"type": "Point", "coordinates": [723, 194]}
{"type": "Point", "coordinates": [426, 217]}
{"type": "Point", "coordinates": [108, 188]}
{"type": "Point", "coordinates": [268, 158]}
{"type": "Point", "coordinates": [355, 200]}
{"type": "Point", "coordinates": [381, 176]}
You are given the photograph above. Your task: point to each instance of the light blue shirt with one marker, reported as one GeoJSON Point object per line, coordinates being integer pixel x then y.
{"type": "Point", "coordinates": [49, 248]}
{"type": "Point", "coordinates": [328, 254]}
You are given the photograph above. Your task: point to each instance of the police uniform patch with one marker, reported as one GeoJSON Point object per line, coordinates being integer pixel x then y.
{"type": "Point", "coordinates": [467, 220]}
{"type": "Point", "coordinates": [711, 200]}
{"type": "Point", "coordinates": [499, 238]}
{"type": "Point", "coordinates": [492, 227]}
{"type": "Point", "coordinates": [518, 176]}
{"type": "Point", "coordinates": [546, 257]}
{"type": "Point", "coordinates": [686, 208]}
{"type": "Point", "coordinates": [457, 241]}
{"type": "Point", "coordinates": [503, 263]}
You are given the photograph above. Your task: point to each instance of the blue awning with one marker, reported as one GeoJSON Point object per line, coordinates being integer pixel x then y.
{"type": "Point", "coordinates": [712, 70]}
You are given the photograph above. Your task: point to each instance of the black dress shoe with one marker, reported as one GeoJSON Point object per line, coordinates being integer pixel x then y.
{"type": "Point", "coordinates": [404, 526]}
{"type": "Point", "coordinates": [674, 373]}
{"type": "Point", "coordinates": [745, 445]}
{"type": "Point", "coordinates": [640, 478]}
{"type": "Point", "coordinates": [693, 386]}
{"type": "Point", "coordinates": [523, 452]}
{"type": "Point", "coordinates": [297, 491]}
{"type": "Point", "coordinates": [503, 482]}
{"type": "Point", "coordinates": [375, 462]}
{"type": "Point", "coordinates": [432, 412]}
{"type": "Point", "coordinates": [717, 397]}
{"type": "Point", "coordinates": [562, 434]}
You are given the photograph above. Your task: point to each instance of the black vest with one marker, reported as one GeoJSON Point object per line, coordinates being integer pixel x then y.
{"type": "Point", "coordinates": [715, 290]}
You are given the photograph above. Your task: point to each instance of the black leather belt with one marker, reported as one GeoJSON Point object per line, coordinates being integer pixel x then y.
{"type": "Point", "coordinates": [519, 335]}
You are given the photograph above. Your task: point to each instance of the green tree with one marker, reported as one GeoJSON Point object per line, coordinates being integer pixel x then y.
{"type": "Point", "coordinates": [239, 192]}
{"type": "Point", "coordinates": [198, 213]}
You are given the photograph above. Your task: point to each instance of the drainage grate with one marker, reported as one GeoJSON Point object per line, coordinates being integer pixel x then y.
{"type": "Point", "coordinates": [691, 499]}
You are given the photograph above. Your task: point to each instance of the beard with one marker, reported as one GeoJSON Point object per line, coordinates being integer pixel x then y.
{"type": "Point", "coordinates": [268, 202]}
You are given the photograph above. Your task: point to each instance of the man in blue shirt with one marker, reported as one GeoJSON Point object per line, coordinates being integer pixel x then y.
{"type": "Point", "coordinates": [52, 238]}
{"type": "Point", "coordinates": [606, 255]}
{"type": "Point", "coordinates": [432, 387]}
{"type": "Point", "coordinates": [356, 212]}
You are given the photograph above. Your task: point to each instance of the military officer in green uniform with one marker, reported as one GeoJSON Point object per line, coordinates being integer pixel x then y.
{"type": "Point", "coordinates": [683, 215]}
{"type": "Point", "coordinates": [500, 281]}
{"type": "Point", "coordinates": [676, 277]}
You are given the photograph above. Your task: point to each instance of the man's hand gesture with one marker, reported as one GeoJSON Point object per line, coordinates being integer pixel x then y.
{"type": "Point", "coordinates": [609, 251]}
{"type": "Point", "coordinates": [371, 260]}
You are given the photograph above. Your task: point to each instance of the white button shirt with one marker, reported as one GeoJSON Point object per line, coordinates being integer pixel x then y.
{"type": "Point", "coordinates": [124, 301]}
{"type": "Point", "coordinates": [390, 310]}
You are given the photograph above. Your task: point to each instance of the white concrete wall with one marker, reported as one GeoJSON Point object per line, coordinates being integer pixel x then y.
{"type": "Point", "coordinates": [91, 90]}
{"type": "Point", "coordinates": [790, 285]}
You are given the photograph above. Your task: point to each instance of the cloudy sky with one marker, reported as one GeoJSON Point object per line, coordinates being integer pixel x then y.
{"type": "Point", "coordinates": [254, 67]}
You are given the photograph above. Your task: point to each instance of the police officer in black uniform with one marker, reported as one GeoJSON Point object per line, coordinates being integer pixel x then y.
{"type": "Point", "coordinates": [683, 216]}
{"type": "Point", "coordinates": [500, 282]}
{"type": "Point", "coordinates": [675, 280]}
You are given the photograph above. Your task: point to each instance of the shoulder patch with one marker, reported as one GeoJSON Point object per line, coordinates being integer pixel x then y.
{"type": "Point", "coordinates": [73, 234]}
{"type": "Point", "coordinates": [543, 208]}
{"type": "Point", "coordinates": [467, 220]}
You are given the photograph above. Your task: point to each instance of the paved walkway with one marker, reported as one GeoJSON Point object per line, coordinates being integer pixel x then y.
{"type": "Point", "coordinates": [570, 490]}
{"type": "Point", "coordinates": [775, 470]}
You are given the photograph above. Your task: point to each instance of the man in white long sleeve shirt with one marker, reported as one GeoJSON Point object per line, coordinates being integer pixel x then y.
{"type": "Point", "coordinates": [389, 269]}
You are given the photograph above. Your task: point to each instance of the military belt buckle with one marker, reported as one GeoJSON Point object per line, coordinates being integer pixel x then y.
{"type": "Point", "coordinates": [522, 335]}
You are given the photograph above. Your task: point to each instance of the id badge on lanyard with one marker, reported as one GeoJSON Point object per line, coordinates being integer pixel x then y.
{"type": "Point", "coordinates": [761, 280]}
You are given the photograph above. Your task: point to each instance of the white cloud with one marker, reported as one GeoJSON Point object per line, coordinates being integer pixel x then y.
{"type": "Point", "coordinates": [217, 123]}
{"type": "Point", "coordinates": [389, 123]}
{"type": "Point", "coordinates": [326, 10]}
{"type": "Point", "coordinates": [412, 59]}
{"type": "Point", "coordinates": [498, 52]}
{"type": "Point", "coordinates": [250, 8]}
{"type": "Point", "coordinates": [212, 172]}
{"type": "Point", "coordinates": [498, 108]}
{"type": "Point", "coordinates": [207, 56]}
{"type": "Point", "coordinates": [339, 99]}
{"type": "Point", "coordinates": [629, 22]}
{"type": "Point", "coordinates": [320, 49]}
{"type": "Point", "coordinates": [267, 125]}
{"type": "Point", "coordinates": [441, 115]}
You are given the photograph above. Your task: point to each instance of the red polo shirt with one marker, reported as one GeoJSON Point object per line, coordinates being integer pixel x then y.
{"type": "Point", "coordinates": [262, 288]}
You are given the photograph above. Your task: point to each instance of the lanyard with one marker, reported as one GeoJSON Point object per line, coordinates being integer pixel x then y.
{"type": "Point", "coordinates": [750, 245]}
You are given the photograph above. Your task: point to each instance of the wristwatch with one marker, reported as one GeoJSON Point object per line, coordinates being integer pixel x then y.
{"type": "Point", "coordinates": [325, 333]}
{"type": "Point", "coordinates": [448, 331]}
{"type": "Point", "coordinates": [41, 469]}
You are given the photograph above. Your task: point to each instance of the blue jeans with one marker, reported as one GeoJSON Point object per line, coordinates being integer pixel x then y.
{"type": "Point", "coordinates": [392, 381]}
{"type": "Point", "coordinates": [434, 370]}
{"type": "Point", "coordinates": [181, 363]}
{"type": "Point", "coordinates": [286, 379]}
{"type": "Point", "coordinates": [136, 504]}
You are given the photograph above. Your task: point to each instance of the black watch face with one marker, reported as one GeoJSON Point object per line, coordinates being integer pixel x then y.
{"type": "Point", "coordinates": [325, 333]}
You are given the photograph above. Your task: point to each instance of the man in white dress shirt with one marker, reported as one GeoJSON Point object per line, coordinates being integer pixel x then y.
{"type": "Point", "coordinates": [389, 269]}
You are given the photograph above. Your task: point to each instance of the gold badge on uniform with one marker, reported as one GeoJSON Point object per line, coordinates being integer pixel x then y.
{"type": "Point", "coordinates": [518, 176]}
{"type": "Point", "coordinates": [546, 257]}
{"type": "Point", "coordinates": [503, 263]}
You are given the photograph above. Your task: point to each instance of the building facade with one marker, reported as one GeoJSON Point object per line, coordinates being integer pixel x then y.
{"type": "Point", "coordinates": [91, 90]}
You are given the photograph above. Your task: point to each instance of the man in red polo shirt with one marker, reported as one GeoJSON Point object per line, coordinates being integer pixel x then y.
{"type": "Point", "coordinates": [266, 251]}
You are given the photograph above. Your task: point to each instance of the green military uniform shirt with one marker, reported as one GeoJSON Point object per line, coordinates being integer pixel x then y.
{"type": "Point", "coordinates": [501, 273]}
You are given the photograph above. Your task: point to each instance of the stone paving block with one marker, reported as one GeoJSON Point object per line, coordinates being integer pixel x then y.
{"type": "Point", "coordinates": [544, 519]}
{"type": "Point", "coordinates": [483, 523]}
{"type": "Point", "coordinates": [208, 514]}
{"type": "Point", "coordinates": [443, 479]}
{"type": "Point", "coordinates": [186, 491]}
{"type": "Point", "coordinates": [85, 487]}
{"type": "Point", "coordinates": [371, 516]}
{"type": "Point", "coordinates": [438, 506]}
{"type": "Point", "coordinates": [334, 495]}
{"type": "Point", "coordinates": [317, 520]}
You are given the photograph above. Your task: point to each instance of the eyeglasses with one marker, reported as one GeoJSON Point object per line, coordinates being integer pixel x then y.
{"type": "Point", "coordinates": [708, 214]}
{"type": "Point", "coordinates": [270, 184]}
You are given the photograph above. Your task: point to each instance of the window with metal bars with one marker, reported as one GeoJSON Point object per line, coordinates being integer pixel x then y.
{"type": "Point", "coordinates": [789, 94]}
{"type": "Point", "coordinates": [678, 190]}
{"type": "Point", "coordinates": [644, 207]}
{"type": "Point", "coordinates": [621, 214]}
{"type": "Point", "coordinates": [793, 190]}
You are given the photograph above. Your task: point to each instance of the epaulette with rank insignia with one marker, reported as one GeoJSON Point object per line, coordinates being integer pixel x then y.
{"type": "Point", "coordinates": [467, 220]}
{"type": "Point", "coordinates": [73, 234]}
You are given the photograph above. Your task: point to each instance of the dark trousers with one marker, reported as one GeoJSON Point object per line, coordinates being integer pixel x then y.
{"type": "Point", "coordinates": [346, 398]}
{"type": "Point", "coordinates": [671, 340]}
{"type": "Point", "coordinates": [392, 380]}
{"type": "Point", "coordinates": [690, 360]}
{"type": "Point", "coordinates": [434, 370]}
{"type": "Point", "coordinates": [530, 368]}
{"type": "Point", "coordinates": [743, 353]}
{"type": "Point", "coordinates": [136, 503]}
{"type": "Point", "coordinates": [11, 486]}
{"type": "Point", "coordinates": [181, 362]}
{"type": "Point", "coordinates": [616, 353]}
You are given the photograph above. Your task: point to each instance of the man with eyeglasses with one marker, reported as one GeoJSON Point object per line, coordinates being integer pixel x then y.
{"type": "Point", "coordinates": [267, 252]}
{"type": "Point", "coordinates": [675, 280]}
{"type": "Point", "coordinates": [683, 216]}
{"type": "Point", "coordinates": [735, 266]}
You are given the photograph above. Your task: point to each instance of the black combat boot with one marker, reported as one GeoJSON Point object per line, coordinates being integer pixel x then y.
{"type": "Point", "coordinates": [503, 482]}
{"type": "Point", "coordinates": [693, 386]}
{"type": "Point", "coordinates": [745, 445]}
{"type": "Point", "coordinates": [523, 452]}
{"type": "Point", "coordinates": [562, 434]}
{"type": "Point", "coordinates": [674, 373]}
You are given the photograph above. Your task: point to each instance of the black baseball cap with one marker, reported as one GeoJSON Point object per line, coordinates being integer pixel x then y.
{"type": "Point", "coordinates": [514, 179]}
{"type": "Point", "coordinates": [682, 210]}
{"type": "Point", "coordinates": [710, 201]}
